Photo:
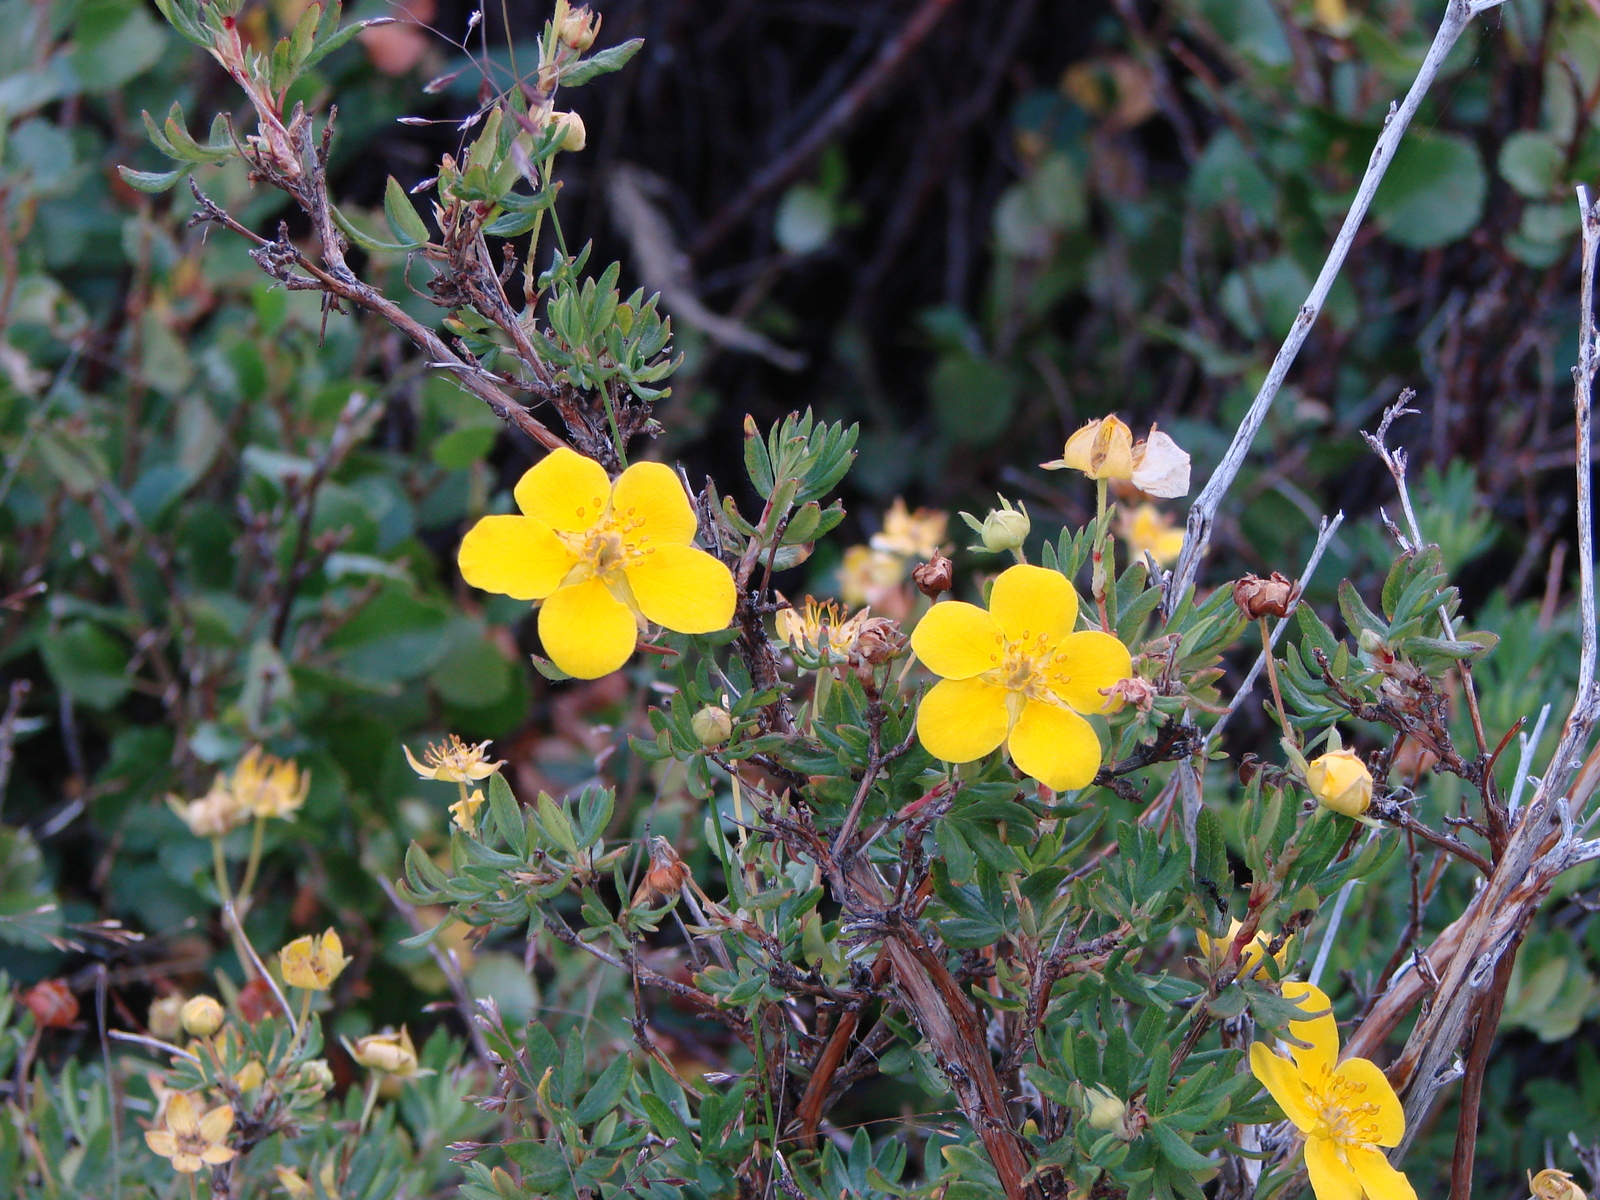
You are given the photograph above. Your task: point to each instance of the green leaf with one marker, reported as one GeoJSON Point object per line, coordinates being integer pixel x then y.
{"type": "Point", "coordinates": [151, 181]}
{"type": "Point", "coordinates": [607, 1091]}
{"type": "Point", "coordinates": [1433, 192]}
{"type": "Point", "coordinates": [611, 59]}
{"type": "Point", "coordinates": [508, 814]}
{"type": "Point", "coordinates": [403, 219]}
{"type": "Point", "coordinates": [365, 240]}
{"type": "Point", "coordinates": [1532, 162]}
{"type": "Point", "coordinates": [87, 664]}
{"type": "Point", "coordinates": [1178, 1151]}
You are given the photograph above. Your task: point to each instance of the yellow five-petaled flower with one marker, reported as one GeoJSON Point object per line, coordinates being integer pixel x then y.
{"type": "Point", "coordinates": [189, 1140]}
{"type": "Point", "coordinates": [1346, 1110]}
{"type": "Point", "coordinates": [602, 557]}
{"type": "Point", "coordinates": [1018, 674]}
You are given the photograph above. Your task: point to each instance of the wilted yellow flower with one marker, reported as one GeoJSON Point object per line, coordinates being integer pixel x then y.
{"type": "Point", "coordinates": [311, 962]}
{"type": "Point", "coordinates": [867, 576]}
{"type": "Point", "coordinates": [1340, 781]}
{"type": "Point", "coordinates": [202, 1016]}
{"type": "Point", "coordinates": [1148, 529]}
{"type": "Point", "coordinates": [267, 786]}
{"type": "Point", "coordinates": [604, 558]}
{"type": "Point", "coordinates": [820, 628]}
{"type": "Point", "coordinates": [216, 814]}
{"type": "Point", "coordinates": [391, 1053]}
{"type": "Point", "coordinates": [1018, 674]}
{"type": "Point", "coordinates": [454, 761]}
{"type": "Point", "coordinates": [464, 812]}
{"type": "Point", "coordinates": [1551, 1184]}
{"type": "Point", "coordinates": [577, 27]}
{"type": "Point", "coordinates": [1346, 1110]}
{"type": "Point", "coordinates": [1251, 958]}
{"type": "Point", "coordinates": [1104, 449]}
{"type": "Point", "coordinates": [574, 136]}
{"type": "Point", "coordinates": [911, 534]}
{"type": "Point", "coordinates": [192, 1142]}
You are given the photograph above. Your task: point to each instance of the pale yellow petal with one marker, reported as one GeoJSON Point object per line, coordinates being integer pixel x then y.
{"type": "Point", "coordinates": [187, 1163]}
{"type": "Point", "coordinates": [565, 490]}
{"type": "Point", "coordinates": [1278, 1075]}
{"type": "Point", "coordinates": [214, 1126]}
{"type": "Point", "coordinates": [651, 508]}
{"type": "Point", "coordinates": [957, 640]}
{"type": "Point", "coordinates": [181, 1118]}
{"type": "Point", "coordinates": [1055, 746]}
{"type": "Point", "coordinates": [1373, 1087]}
{"type": "Point", "coordinates": [1321, 1032]}
{"type": "Point", "coordinates": [1090, 663]}
{"type": "Point", "coordinates": [218, 1154]}
{"type": "Point", "coordinates": [962, 719]}
{"type": "Point", "coordinates": [683, 589]}
{"type": "Point", "coordinates": [162, 1142]}
{"type": "Point", "coordinates": [1331, 1177]}
{"type": "Point", "coordinates": [514, 556]}
{"type": "Point", "coordinates": [1027, 601]}
{"type": "Point", "coordinates": [587, 631]}
{"type": "Point", "coordinates": [1379, 1179]}
{"type": "Point", "coordinates": [1161, 466]}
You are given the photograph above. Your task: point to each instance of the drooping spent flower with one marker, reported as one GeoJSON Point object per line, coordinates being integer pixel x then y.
{"type": "Point", "coordinates": [1105, 449]}
{"type": "Point", "coordinates": [313, 962]}
{"type": "Point", "coordinates": [1345, 1110]}
{"type": "Point", "coordinates": [603, 558]}
{"type": "Point", "coordinates": [192, 1141]}
{"type": "Point", "coordinates": [1020, 675]}
{"type": "Point", "coordinates": [464, 812]}
{"type": "Point", "coordinates": [391, 1053]}
{"type": "Point", "coordinates": [1551, 1184]}
{"type": "Point", "coordinates": [819, 628]}
{"type": "Point", "coordinates": [1340, 781]}
{"type": "Point", "coordinates": [453, 761]}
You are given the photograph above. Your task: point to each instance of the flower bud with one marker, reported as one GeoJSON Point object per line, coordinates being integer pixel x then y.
{"type": "Point", "coordinates": [315, 1076]}
{"type": "Point", "coordinates": [573, 135]}
{"type": "Point", "coordinates": [391, 1053]}
{"type": "Point", "coordinates": [712, 725]}
{"type": "Point", "coordinates": [1340, 781]}
{"type": "Point", "coordinates": [1552, 1184]}
{"type": "Point", "coordinates": [1005, 528]}
{"type": "Point", "coordinates": [1106, 1111]}
{"type": "Point", "coordinates": [1257, 597]}
{"type": "Point", "coordinates": [578, 28]}
{"type": "Point", "coordinates": [165, 1019]}
{"type": "Point", "coordinates": [934, 577]}
{"type": "Point", "coordinates": [202, 1016]}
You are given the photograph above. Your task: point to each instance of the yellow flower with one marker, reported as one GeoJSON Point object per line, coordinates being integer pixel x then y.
{"type": "Point", "coordinates": [910, 534]}
{"type": "Point", "coordinates": [1346, 1110]}
{"type": "Point", "coordinates": [391, 1053]}
{"type": "Point", "coordinates": [311, 962]}
{"type": "Point", "coordinates": [464, 812]}
{"type": "Point", "coordinates": [1104, 449]}
{"type": "Point", "coordinates": [1147, 528]}
{"type": "Point", "coordinates": [1250, 959]}
{"type": "Point", "coordinates": [603, 558]}
{"type": "Point", "coordinates": [1340, 781]}
{"type": "Point", "coordinates": [1018, 674]}
{"type": "Point", "coordinates": [189, 1141]}
{"type": "Point", "coordinates": [268, 786]}
{"type": "Point", "coordinates": [1551, 1184]}
{"type": "Point", "coordinates": [216, 814]}
{"type": "Point", "coordinates": [820, 628]}
{"type": "Point", "coordinates": [867, 576]}
{"type": "Point", "coordinates": [454, 761]}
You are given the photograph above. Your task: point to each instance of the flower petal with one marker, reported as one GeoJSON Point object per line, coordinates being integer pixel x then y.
{"type": "Point", "coordinates": [180, 1115]}
{"type": "Point", "coordinates": [587, 631]}
{"type": "Point", "coordinates": [565, 490]}
{"type": "Point", "coordinates": [162, 1142]}
{"type": "Point", "coordinates": [1379, 1179]}
{"type": "Point", "coordinates": [1321, 1032]}
{"type": "Point", "coordinates": [1055, 746]}
{"type": "Point", "coordinates": [962, 719]}
{"type": "Point", "coordinates": [514, 556]}
{"type": "Point", "coordinates": [1161, 466]}
{"type": "Point", "coordinates": [1278, 1075]}
{"type": "Point", "coordinates": [218, 1154]}
{"type": "Point", "coordinates": [957, 640]}
{"type": "Point", "coordinates": [683, 589]}
{"type": "Point", "coordinates": [186, 1163]}
{"type": "Point", "coordinates": [1027, 601]}
{"type": "Point", "coordinates": [214, 1126]}
{"type": "Point", "coordinates": [1331, 1177]}
{"type": "Point", "coordinates": [1090, 663]}
{"type": "Point", "coordinates": [1375, 1089]}
{"type": "Point", "coordinates": [651, 494]}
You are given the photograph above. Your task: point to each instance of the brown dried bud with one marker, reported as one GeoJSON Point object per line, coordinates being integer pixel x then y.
{"type": "Point", "coordinates": [665, 878]}
{"type": "Point", "coordinates": [52, 1004]}
{"type": "Point", "coordinates": [879, 641]}
{"type": "Point", "coordinates": [1134, 690]}
{"type": "Point", "coordinates": [934, 577]}
{"type": "Point", "coordinates": [1271, 597]}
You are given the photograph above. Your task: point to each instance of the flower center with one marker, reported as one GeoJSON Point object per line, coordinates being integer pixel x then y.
{"type": "Point", "coordinates": [1029, 666]}
{"type": "Point", "coordinates": [1343, 1112]}
{"type": "Point", "coordinates": [609, 546]}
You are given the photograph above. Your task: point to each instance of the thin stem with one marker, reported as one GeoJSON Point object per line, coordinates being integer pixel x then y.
{"type": "Point", "coordinates": [1272, 678]}
{"type": "Point", "coordinates": [252, 864]}
{"type": "Point", "coordinates": [367, 1104]}
{"type": "Point", "coordinates": [219, 867]}
{"type": "Point", "coordinates": [1198, 536]}
{"type": "Point", "coordinates": [1097, 582]}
